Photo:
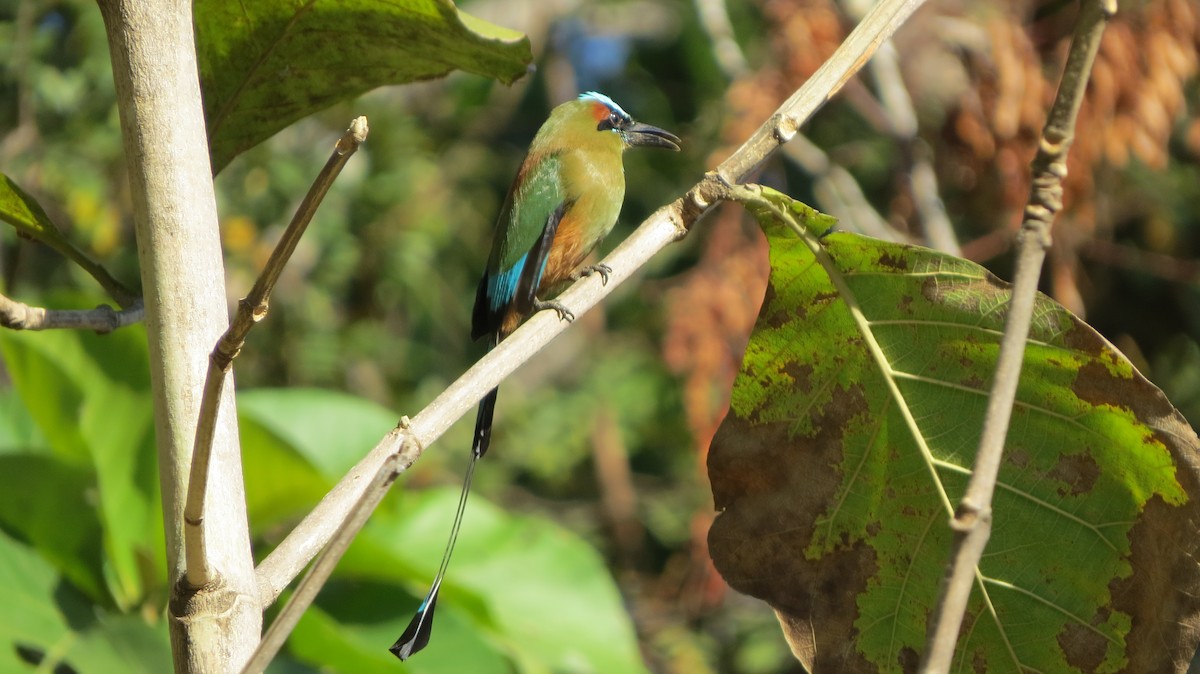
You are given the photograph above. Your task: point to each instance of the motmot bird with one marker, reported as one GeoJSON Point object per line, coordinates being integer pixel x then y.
{"type": "Point", "coordinates": [564, 200]}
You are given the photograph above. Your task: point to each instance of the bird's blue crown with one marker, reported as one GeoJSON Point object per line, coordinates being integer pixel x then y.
{"type": "Point", "coordinates": [597, 96]}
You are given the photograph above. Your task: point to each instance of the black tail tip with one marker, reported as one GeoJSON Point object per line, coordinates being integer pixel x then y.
{"type": "Point", "coordinates": [416, 635]}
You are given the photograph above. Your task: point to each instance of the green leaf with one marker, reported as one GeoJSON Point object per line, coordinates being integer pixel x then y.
{"type": "Point", "coordinates": [24, 212]}
{"type": "Point", "coordinates": [90, 397]}
{"type": "Point", "coordinates": [18, 433]}
{"type": "Point", "coordinates": [264, 65]}
{"type": "Point", "coordinates": [530, 587]}
{"type": "Point", "coordinates": [355, 622]}
{"type": "Point", "coordinates": [852, 430]}
{"type": "Point", "coordinates": [297, 442]}
{"type": "Point", "coordinates": [38, 494]}
{"type": "Point", "coordinates": [54, 624]}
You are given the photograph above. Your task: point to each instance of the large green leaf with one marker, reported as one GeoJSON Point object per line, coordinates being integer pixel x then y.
{"type": "Point", "coordinates": [852, 430]}
{"type": "Point", "coordinates": [521, 590]}
{"type": "Point", "coordinates": [264, 65]}
{"type": "Point", "coordinates": [50, 623]}
{"type": "Point", "coordinates": [90, 397]}
{"type": "Point", "coordinates": [296, 443]}
{"type": "Point", "coordinates": [540, 594]}
{"type": "Point", "coordinates": [354, 623]}
{"type": "Point", "coordinates": [47, 502]}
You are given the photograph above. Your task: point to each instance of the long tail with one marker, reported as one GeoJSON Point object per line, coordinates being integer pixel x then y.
{"type": "Point", "coordinates": [483, 425]}
{"type": "Point", "coordinates": [483, 418]}
{"type": "Point", "coordinates": [416, 635]}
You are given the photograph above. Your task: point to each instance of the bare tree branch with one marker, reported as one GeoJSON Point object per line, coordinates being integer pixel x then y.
{"type": "Point", "coordinates": [972, 522]}
{"type": "Point", "coordinates": [714, 17]}
{"type": "Point", "coordinates": [251, 309]}
{"type": "Point", "coordinates": [897, 106]}
{"type": "Point", "coordinates": [306, 592]}
{"type": "Point", "coordinates": [838, 192]}
{"type": "Point", "coordinates": [20, 316]}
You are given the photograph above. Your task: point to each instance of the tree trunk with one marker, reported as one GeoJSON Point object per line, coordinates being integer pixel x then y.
{"type": "Point", "coordinates": [213, 629]}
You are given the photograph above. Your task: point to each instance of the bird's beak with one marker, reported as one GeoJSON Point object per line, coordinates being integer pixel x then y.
{"type": "Point", "coordinates": [644, 135]}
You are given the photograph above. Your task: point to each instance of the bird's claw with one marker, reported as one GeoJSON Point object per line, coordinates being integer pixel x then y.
{"type": "Point", "coordinates": [602, 269]}
{"type": "Point", "coordinates": [564, 314]}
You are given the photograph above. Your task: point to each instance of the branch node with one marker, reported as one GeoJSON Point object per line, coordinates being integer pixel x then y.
{"type": "Point", "coordinates": [355, 135]}
{"type": "Point", "coordinates": [785, 128]}
{"type": "Point", "coordinates": [968, 515]}
{"type": "Point", "coordinates": [109, 317]}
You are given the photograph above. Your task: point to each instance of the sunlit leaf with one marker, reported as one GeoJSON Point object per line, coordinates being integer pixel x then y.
{"type": "Point", "coordinates": [851, 435]}
{"type": "Point", "coordinates": [22, 211]}
{"type": "Point", "coordinates": [90, 397]}
{"type": "Point", "coordinates": [538, 593]}
{"type": "Point", "coordinates": [25, 214]}
{"type": "Point", "coordinates": [354, 623]}
{"type": "Point", "coordinates": [51, 623]}
{"type": "Point", "coordinates": [298, 442]}
{"type": "Point", "coordinates": [38, 495]}
{"type": "Point", "coordinates": [264, 65]}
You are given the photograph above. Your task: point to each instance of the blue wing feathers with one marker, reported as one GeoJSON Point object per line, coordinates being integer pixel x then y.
{"type": "Point", "coordinates": [502, 286]}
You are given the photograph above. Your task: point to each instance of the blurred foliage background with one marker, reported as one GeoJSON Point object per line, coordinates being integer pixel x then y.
{"type": "Point", "coordinates": [605, 433]}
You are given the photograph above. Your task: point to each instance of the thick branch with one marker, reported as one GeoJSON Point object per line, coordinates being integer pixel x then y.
{"type": "Point", "coordinates": [251, 310]}
{"type": "Point", "coordinates": [972, 521]}
{"type": "Point", "coordinates": [153, 53]}
{"type": "Point", "coordinates": [666, 225]}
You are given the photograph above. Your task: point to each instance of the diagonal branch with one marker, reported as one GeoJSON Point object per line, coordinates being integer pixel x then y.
{"type": "Point", "coordinates": [273, 640]}
{"type": "Point", "coordinates": [972, 521]}
{"type": "Point", "coordinates": [251, 309]}
{"type": "Point", "coordinates": [665, 226]}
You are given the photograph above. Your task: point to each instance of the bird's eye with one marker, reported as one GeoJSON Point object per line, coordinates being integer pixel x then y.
{"type": "Point", "coordinates": [613, 122]}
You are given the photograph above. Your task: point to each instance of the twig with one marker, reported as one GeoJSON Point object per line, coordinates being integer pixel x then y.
{"type": "Point", "coordinates": [307, 590]}
{"type": "Point", "coordinates": [714, 18]}
{"type": "Point", "coordinates": [20, 316]}
{"type": "Point", "coordinates": [1166, 267]}
{"type": "Point", "coordinates": [897, 106]}
{"type": "Point", "coordinates": [876, 28]}
{"type": "Point", "coordinates": [972, 523]}
{"type": "Point", "coordinates": [663, 227]}
{"type": "Point", "coordinates": [838, 192]}
{"type": "Point", "coordinates": [251, 310]}
{"type": "Point", "coordinates": [614, 478]}
{"type": "Point", "coordinates": [117, 290]}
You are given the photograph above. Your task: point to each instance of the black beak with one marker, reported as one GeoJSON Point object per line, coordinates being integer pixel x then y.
{"type": "Point", "coordinates": [644, 135]}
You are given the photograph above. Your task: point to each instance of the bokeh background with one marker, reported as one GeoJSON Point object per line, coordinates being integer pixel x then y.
{"type": "Point", "coordinates": [605, 433]}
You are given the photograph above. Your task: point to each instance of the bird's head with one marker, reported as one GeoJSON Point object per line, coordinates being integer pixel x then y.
{"type": "Point", "coordinates": [609, 117]}
{"type": "Point", "coordinates": [594, 119]}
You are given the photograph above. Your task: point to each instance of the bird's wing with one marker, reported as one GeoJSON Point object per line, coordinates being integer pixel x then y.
{"type": "Point", "coordinates": [524, 233]}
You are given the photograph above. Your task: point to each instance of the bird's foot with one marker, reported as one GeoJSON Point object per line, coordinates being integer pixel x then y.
{"type": "Point", "coordinates": [602, 269]}
{"type": "Point", "coordinates": [564, 314]}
